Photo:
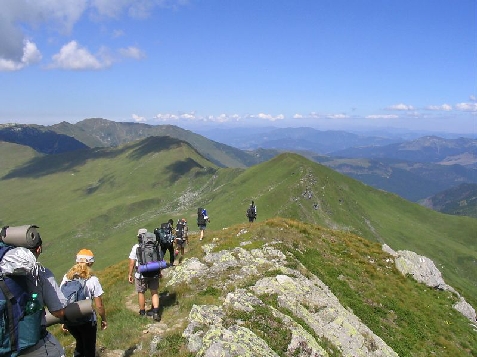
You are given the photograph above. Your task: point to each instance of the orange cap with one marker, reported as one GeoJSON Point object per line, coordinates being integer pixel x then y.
{"type": "Point", "coordinates": [85, 256]}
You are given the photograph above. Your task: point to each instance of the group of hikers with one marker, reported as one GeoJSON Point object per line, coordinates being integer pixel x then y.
{"type": "Point", "coordinates": [26, 288]}
{"type": "Point", "coordinates": [24, 283]}
{"type": "Point", "coordinates": [148, 252]}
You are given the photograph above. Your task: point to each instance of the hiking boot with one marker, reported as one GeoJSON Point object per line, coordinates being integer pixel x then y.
{"type": "Point", "coordinates": [156, 316]}
{"type": "Point", "coordinates": [150, 312]}
{"type": "Point", "coordinates": [142, 312]}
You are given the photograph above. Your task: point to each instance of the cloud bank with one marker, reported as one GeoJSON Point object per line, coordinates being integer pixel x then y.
{"type": "Point", "coordinates": [20, 19]}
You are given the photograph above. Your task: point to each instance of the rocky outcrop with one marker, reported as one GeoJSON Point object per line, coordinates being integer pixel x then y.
{"type": "Point", "coordinates": [425, 271]}
{"type": "Point", "coordinates": [296, 305]}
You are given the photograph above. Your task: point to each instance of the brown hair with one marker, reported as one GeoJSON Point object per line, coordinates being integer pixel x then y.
{"type": "Point", "coordinates": [79, 270]}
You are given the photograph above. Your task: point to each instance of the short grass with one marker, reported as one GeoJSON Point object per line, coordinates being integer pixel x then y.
{"type": "Point", "coordinates": [411, 318]}
{"type": "Point", "coordinates": [99, 198]}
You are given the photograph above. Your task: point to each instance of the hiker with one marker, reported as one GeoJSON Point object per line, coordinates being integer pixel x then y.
{"type": "Point", "coordinates": [167, 244]}
{"type": "Point", "coordinates": [182, 233]}
{"type": "Point", "coordinates": [252, 212]}
{"type": "Point", "coordinates": [85, 332]}
{"type": "Point", "coordinates": [49, 295]}
{"type": "Point", "coordinates": [202, 220]}
{"type": "Point", "coordinates": [143, 283]}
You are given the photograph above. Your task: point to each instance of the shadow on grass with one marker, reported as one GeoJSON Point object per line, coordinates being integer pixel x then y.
{"type": "Point", "coordinates": [166, 299]}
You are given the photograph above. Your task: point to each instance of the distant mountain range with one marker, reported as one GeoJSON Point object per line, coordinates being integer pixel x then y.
{"type": "Point", "coordinates": [415, 169]}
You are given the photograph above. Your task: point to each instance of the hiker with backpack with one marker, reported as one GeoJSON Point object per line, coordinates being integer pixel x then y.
{"type": "Point", "coordinates": [78, 284]}
{"type": "Point", "coordinates": [252, 212]}
{"type": "Point", "coordinates": [182, 234]}
{"type": "Point", "coordinates": [202, 220]}
{"type": "Point", "coordinates": [165, 236]}
{"type": "Point", "coordinates": [25, 331]}
{"type": "Point", "coordinates": [146, 251]}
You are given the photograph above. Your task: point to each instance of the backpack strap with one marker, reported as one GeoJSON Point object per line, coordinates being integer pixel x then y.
{"type": "Point", "coordinates": [11, 326]}
{"type": "Point", "coordinates": [4, 249]}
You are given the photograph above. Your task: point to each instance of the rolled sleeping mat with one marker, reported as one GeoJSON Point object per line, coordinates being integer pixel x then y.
{"type": "Point", "coordinates": [152, 267]}
{"type": "Point", "coordinates": [73, 311]}
{"type": "Point", "coordinates": [25, 236]}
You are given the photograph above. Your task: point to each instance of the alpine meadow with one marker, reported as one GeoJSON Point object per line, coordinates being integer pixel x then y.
{"type": "Point", "coordinates": [326, 224]}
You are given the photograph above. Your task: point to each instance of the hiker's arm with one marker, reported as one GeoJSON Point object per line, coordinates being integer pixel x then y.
{"type": "Point", "coordinates": [98, 302]}
{"type": "Point", "coordinates": [59, 314]}
{"type": "Point", "coordinates": [132, 263]}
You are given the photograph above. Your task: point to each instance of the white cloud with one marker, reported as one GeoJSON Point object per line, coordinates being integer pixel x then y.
{"type": "Point", "coordinates": [189, 116]}
{"type": "Point", "coordinates": [338, 116]}
{"type": "Point", "coordinates": [382, 116]}
{"type": "Point", "coordinates": [268, 117]}
{"type": "Point", "coordinates": [297, 116]}
{"type": "Point", "coordinates": [443, 107]}
{"type": "Point", "coordinates": [466, 107]}
{"type": "Point", "coordinates": [19, 17]}
{"type": "Point", "coordinates": [166, 117]}
{"type": "Point", "coordinates": [132, 52]}
{"type": "Point", "coordinates": [400, 106]}
{"type": "Point", "coordinates": [31, 55]}
{"type": "Point", "coordinates": [73, 56]}
{"type": "Point", "coordinates": [138, 119]}
{"type": "Point", "coordinates": [473, 98]}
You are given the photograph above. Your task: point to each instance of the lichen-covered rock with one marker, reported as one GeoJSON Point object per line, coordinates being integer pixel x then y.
{"type": "Point", "coordinates": [421, 268]}
{"type": "Point", "coordinates": [189, 269]}
{"type": "Point", "coordinates": [301, 300]}
{"type": "Point", "coordinates": [313, 303]}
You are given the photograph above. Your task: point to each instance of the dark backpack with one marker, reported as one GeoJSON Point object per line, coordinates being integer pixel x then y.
{"type": "Point", "coordinates": [200, 216]}
{"type": "Point", "coordinates": [164, 235]}
{"type": "Point", "coordinates": [251, 212]}
{"type": "Point", "coordinates": [18, 331]}
{"type": "Point", "coordinates": [180, 230]}
{"type": "Point", "coordinates": [148, 252]}
{"type": "Point", "coordinates": [74, 291]}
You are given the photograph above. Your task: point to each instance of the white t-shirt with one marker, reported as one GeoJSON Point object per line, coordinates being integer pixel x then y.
{"type": "Point", "coordinates": [93, 288]}
{"type": "Point", "coordinates": [133, 256]}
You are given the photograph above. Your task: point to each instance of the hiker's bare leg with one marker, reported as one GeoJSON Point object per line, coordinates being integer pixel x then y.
{"type": "Point", "coordinates": [155, 299]}
{"type": "Point", "coordinates": [141, 301]}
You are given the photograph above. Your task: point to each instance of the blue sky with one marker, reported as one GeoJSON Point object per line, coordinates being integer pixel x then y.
{"type": "Point", "coordinates": [331, 64]}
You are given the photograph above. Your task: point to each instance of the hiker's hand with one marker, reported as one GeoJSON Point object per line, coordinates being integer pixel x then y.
{"type": "Point", "coordinates": [63, 328]}
{"type": "Point", "coordinates": [130, 279]}
{"type": "Point", "coordinates": [104, 325]}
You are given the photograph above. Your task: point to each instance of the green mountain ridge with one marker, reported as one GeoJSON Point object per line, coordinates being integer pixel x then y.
{"type": "Point", "coordinates": [97, 132]}
{"type": "Point", "coordinates": [414, 181]}
{"type": "Point", "coordinates": [98, 198]}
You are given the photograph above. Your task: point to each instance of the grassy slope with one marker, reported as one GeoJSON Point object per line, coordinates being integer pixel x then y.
{"type": "Point", "coordinates": [99, 198]}
{"type": "Point", "coordinates": [412, 319]}
{"type": "Point", "coordinates": [117, 134]}
{"type": "Point", "coordinates": [14, 155]}
{"type": "Point", "coordinates": [346, 204]}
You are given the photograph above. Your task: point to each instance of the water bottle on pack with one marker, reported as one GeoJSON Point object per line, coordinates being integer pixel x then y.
{"type": "Point", "coordinates": [32, 305]}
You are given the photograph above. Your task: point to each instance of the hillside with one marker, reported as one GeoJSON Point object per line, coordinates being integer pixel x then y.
{"type": "Point", "coordinates": [413, 181]}
{"type": "Point", "coordinates": [283, 288]}
{"type": "Point", "coordinates": [106, 133]}
{"type": "Point", "coordinates": [460, 200]}
{"type": "Point", "coordinates": [39, 138]}
{"type": "Point", "coordinates": [99, 198]}
{"type": "Point", "coordinates": [447, 162]}
{"type": "Point", "coordinates": [13, 155]}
